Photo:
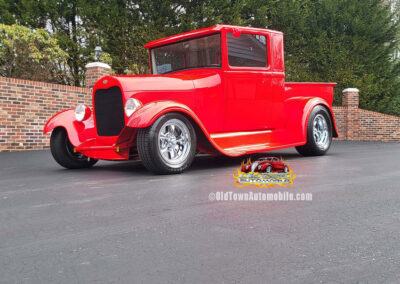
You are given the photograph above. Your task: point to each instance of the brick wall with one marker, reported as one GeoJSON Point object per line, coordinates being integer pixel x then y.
{"type": "Point", "coordinates": [25, 106]}
{"type": "Point", "coordinates": [358, 124]}
{"type": "Point", "coordinates": [366, 125]}
{"type": "Point", "coordinates": [340, 114]}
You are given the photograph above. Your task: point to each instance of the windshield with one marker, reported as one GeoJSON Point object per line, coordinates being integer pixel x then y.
{"type": "Point", "coordinates": [193, 53]}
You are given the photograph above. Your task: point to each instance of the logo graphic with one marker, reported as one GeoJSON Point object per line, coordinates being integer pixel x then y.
{"type": "Point", "coordinates": [265, 172]}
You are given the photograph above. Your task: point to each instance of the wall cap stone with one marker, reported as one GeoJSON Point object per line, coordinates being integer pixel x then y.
{"type": "Point", "coordinates": [351, 90]}
{"type": "Point", "coordinates": [98, 64]}
{"type": "Point", "coordinates": [42, 84]}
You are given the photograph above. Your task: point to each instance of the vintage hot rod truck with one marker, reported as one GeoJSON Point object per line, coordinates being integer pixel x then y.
{"type": "Point", "coordinates": [218, 90]}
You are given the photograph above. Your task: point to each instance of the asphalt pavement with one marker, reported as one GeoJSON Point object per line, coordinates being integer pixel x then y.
{"type": "Point", "coordinates": [118, 223]}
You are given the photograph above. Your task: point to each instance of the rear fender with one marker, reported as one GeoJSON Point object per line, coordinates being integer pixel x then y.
{"type": "Point", "coordinates": [307, 112]}
{"type": "Point", "coordinates": [299, 110]}
{"type": "Point", "coordinates": [78, 132]}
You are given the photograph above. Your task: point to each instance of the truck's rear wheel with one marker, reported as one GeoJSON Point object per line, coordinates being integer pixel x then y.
{"type": "Point", "coordinates": [63, 152]}
{"type": "Point", "coordinates": [319, 133]}
{"type": "Point", "coordinates": [167, 146]}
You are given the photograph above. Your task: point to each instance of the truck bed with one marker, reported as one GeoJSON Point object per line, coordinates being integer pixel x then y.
{"type": "Point", "coordinates": [322, 90]}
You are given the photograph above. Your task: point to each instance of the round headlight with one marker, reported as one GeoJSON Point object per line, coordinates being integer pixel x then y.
{"type": "Point", "coordinates": [131, 106]}
{"type": "Point", "coordinates": [82, 112]}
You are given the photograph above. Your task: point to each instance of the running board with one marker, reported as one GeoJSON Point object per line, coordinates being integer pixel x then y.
{"type": "Point", "coordinates": [240, 143]}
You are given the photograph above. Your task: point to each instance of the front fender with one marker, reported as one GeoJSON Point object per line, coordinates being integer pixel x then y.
{"type": "Point", "coordinates": [78, 132]}
{"type": "Point", "coordinates": [150, 112]}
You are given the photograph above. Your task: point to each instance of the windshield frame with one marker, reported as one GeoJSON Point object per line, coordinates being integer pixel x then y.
{"type": "Point", "coordinates": [187, 68]}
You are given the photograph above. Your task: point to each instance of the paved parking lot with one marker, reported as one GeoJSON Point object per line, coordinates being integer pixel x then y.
{"type": "Point", "coordinates": [117, 223]}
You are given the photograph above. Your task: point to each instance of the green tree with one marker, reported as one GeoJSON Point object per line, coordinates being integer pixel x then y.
{"type": "Point", "coordinates": [347, 41]}
{"type": "Point", "coordinates": [65, 22]}
{"type": "Point", "coordinates": [60, 18]}
{"type": "Point", "coordinates": [31, 54]}
{"type": "Point", "coordinates": [351, 42]}
{"type": "Point", "coordinates": [121, 32]}
{"type": "Point", "coordinates": [129, 25]}
{"type": "Point", "coordinates": [30, 13]}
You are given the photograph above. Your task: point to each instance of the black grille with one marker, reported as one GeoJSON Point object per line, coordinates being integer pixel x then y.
{"type": "Point", "coordinates": [109, 111]}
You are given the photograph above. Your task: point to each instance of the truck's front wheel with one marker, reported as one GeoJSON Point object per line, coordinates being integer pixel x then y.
{"type": "Point", "coordinates": [319, 133]}
{"type": "Point", "coordinates": [63, 152]}
{"type": "Point", "coordinates": [167, 146]}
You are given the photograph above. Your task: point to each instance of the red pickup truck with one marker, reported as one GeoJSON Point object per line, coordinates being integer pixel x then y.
{"type": "Point", "coordinates": [218, 90]}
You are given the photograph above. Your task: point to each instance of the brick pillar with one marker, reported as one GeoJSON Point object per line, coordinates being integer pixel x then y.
{"type": "Point", "coordinates": [350, 101]}
{"type": "Point", "coordinates": [350, 97]}
{"type": "Point", "coordinates": [94, 71]}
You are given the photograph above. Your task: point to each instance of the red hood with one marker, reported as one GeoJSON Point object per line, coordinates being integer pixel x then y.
{"type": "Point", "coordinates": [146, 82]}
{"type": "Point", "coordinates": [185, 80]}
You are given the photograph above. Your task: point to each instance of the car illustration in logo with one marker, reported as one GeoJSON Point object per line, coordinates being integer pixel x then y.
{"type": "Point", "coordinates": [264, 172]}
{"type": "Point", "coordinates": [265, 165]}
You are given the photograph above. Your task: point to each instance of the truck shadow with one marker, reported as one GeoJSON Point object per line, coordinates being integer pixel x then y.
{"type": "Point", "coordinates": [213, 162]}
{"type": "Point", "coordinates": [200, 163]}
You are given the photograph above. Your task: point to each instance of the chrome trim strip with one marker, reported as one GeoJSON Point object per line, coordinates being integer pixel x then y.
{"type": "Point", "coordinates": [234, 134]}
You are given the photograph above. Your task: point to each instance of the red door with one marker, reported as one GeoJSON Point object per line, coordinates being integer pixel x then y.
{"type": "Point", "coordinates": [254, 93]}
{"type": "Point", "coordinates": [247, 101]}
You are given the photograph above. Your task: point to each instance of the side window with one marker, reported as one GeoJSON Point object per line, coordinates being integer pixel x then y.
{"type": "Point", "coordinates": [247, 50]}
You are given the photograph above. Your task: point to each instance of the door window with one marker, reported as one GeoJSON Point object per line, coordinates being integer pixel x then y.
{"type": "Point", "coordinates": [247, 50]}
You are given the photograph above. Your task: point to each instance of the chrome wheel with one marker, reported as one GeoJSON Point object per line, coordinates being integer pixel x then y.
{"type": "Point", "coordinates": [168, 146]}
{"type": "Point", "coordinates": [174, 143]}
{"type": "Point", "coordinates": [321, 132]}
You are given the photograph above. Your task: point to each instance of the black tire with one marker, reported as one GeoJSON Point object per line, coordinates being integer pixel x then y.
{"type": "Point", "coordinates": [312, 148]}
{"type": "Point", "coordinates": [63, 152]}
{"type": "Point", "coordinates": [149, 151]}
{"type": "Point", "coordinates": [268, 169]}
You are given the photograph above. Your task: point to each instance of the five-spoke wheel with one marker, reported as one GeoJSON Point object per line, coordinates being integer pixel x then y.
{"type": "Point", "coordinates": [319, 133]}
{"type": "Point", "coordinates": [168, 145]}
{"type": "Point", "coordinates": [174, 142]}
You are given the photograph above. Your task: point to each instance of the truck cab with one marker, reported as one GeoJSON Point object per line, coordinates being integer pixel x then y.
{"type": "Point", "coordinates": [249, 63]}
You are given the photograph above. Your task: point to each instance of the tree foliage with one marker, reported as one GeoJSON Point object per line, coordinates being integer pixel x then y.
{"type": "Point", "coordinates": [31, 54]}
{"type": "Point", "coordinates": [347, 41]}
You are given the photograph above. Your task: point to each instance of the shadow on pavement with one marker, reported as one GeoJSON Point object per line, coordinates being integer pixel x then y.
{"type": "Point", "coordinates": [201, 162]}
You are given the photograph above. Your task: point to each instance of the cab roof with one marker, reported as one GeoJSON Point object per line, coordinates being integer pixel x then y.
{"type": "Point", "coordinates": [205, 31]}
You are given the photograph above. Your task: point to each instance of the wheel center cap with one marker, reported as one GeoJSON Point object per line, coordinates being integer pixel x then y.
{"type": "Point", "coordinates": [172, 141]}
